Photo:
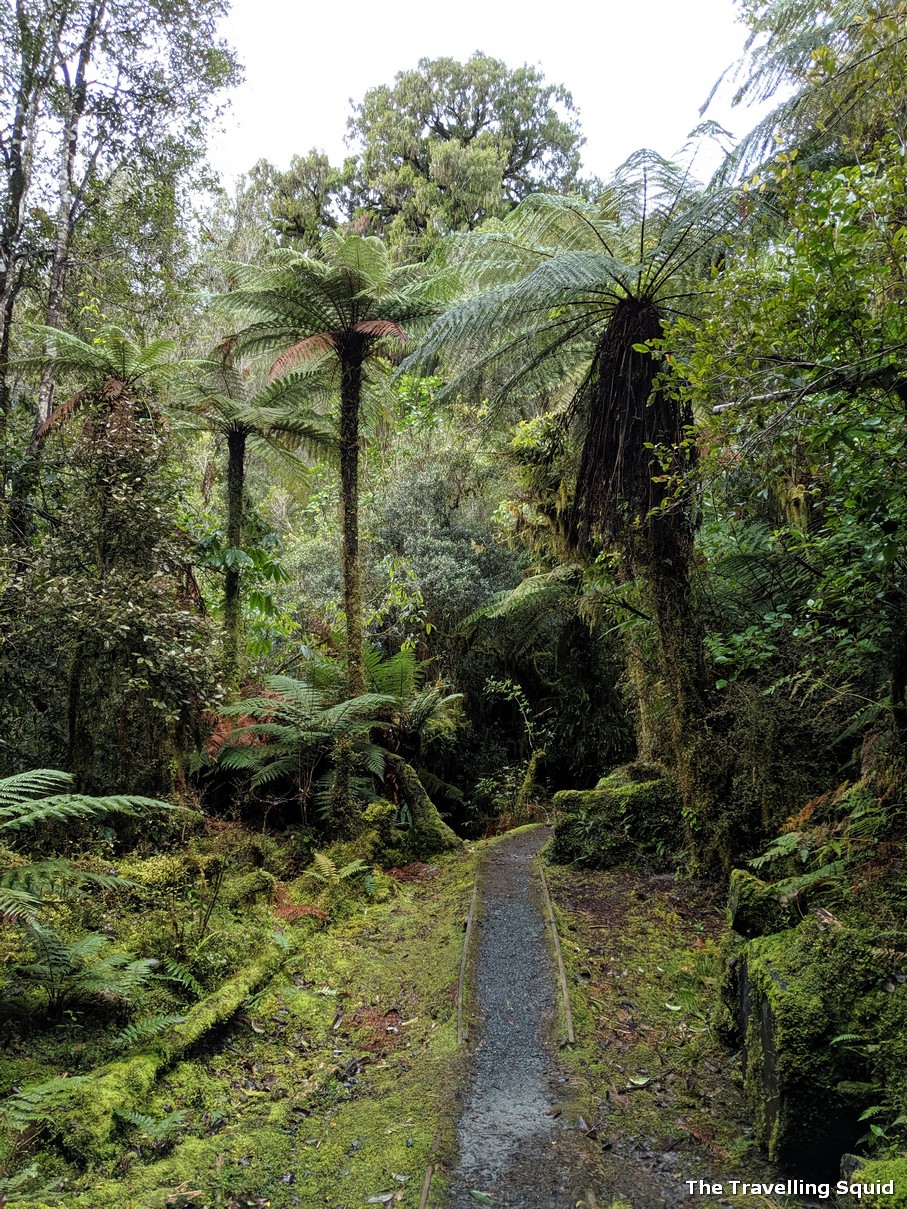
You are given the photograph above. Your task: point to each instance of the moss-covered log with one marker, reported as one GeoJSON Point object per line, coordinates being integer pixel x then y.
{"type": "Point", "coordinates": [88, 1125]}
{"type": "Point", "coordinates": [427, 834]}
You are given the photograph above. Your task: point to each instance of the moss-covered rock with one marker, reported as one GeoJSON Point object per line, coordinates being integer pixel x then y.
{"type": "Point", "coordinates": [754, 907]}
{"type": "Point", "coordinates": [630, 774]}
{"type": "Point", "coordinates": [879, 1173]}
{"type": "Point", "coordinates": [247, 887]}
{"type": "Point", "coordinates": [623, 821]}
{"type": "Point", "coordinates": [796, 991]}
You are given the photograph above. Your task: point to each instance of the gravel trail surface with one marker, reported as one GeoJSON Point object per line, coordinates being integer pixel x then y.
{"type": "Point", "coordinates": [516, 1146]}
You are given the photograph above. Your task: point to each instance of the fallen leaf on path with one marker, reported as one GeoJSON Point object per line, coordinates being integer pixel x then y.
{"type": "Point", "coordinates": [482, 1197]}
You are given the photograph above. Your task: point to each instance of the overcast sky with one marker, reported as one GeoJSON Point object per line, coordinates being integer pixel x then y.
{"type": "Point", "coordinates": [638, 69]}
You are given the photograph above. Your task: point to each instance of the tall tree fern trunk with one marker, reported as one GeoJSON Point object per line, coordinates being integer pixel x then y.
{"type": "Point", "coordinates": [233, 626]}
{"type": "Point", "coordinates": [663, 557]}
{"type": "Point", "coordinates": [350, 399]}
{"type": "Point", "coordinates": [635, 452]}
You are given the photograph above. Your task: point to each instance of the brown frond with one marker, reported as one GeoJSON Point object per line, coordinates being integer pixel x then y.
{"type": "Point", "coordinates": [301, 351]}
{"type": "Point", "coordinates": [379, 328]}
{"type": "Point", "coordinates": [59, 415]}
{"type": "Point", "coordinates": [631, 427]}
{"type": "Point", "coordinates": [797, 821]}
{"type": "Point", "coordinates": [114, 389]}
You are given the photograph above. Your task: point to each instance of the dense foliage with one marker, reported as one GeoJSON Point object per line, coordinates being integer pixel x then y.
{"type": "Point", "coordinates": [462, 492]}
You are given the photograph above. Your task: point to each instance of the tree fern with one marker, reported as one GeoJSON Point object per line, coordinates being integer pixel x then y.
{"type": "Point", "coordinates": [840, 67]}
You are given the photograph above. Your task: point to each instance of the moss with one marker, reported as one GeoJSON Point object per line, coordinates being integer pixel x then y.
{"type": "Point", "coordinates": [337, 1077]}
{"type": "Point", "coordinates": [881, 1171]}
{"type": "Point", "coordinates": [247, 887]}
{"type": "Point", "coordinates": [798, 990]}
{"type": "Point", "coordinates": [171, 869]}
{"type": "Point", "coordinates": [617, 825]}
{"type": "Point", "coordinates": [630, 774]}
{"type": "Point", "coordinates": [428, 834]}
{"type": "Point", "coordinates": [89, 1124]}
{"type": "Point", "coordinates": [754, 906]}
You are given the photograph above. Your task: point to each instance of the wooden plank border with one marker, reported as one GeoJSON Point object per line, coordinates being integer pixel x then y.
{"type": "Point", "coordinates": [462, 1031]}
{"type": "Point", "coordinates": [562, 973]}
{"type": "Point", "coordinates": [426, 1185]}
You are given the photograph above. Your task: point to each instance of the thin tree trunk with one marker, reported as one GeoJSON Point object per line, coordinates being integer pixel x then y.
{"type": "Point", "coordinates": [233, 625]}
{"type": "Point", "coordinates": [38, 51]}
{"type": "Point", "coordinates": [69, 197]}
{"type": "Point", "coordinates": [350, 395]}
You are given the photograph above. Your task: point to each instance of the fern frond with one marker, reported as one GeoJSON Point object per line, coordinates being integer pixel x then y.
{"type": "Point", "coordinates": [144, 1030]}
{"type": "Point", "coordinates": [175, 972]}
{"type": "Point", "coordinates": [40, 783]}
{"type": "Point", "coordinates": [65, 808]}
{"type": "Point", "coordinates": [40, 1101]}
{"type": "Point", "coordinates": [325, 869]}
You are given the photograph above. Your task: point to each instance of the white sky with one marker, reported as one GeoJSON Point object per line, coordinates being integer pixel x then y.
{"type": "Point", "coordinates": [638, 69]}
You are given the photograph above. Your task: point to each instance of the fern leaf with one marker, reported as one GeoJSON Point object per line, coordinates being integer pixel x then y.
{"type": "Point", "coordinates": [175, 972]}
{"type": "Point", "coordinates": [144, 1030]}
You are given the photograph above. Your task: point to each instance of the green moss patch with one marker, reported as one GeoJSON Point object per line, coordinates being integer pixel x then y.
{"type": "Point", "coordinates": [644, 957]}
{"type": "Point", "coordinates": [332, 1078]}
{"type": "Point", "coordinates": [623, 821]}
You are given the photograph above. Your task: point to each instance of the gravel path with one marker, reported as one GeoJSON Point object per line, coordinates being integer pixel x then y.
{"type": "Point", "coordinates": [513, 1148]}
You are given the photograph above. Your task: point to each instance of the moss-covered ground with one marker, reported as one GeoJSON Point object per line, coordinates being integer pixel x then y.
{"type": "Point", "coordinates": [331, 1084]}
{"type": "Point", "coordinates": [644, 956]}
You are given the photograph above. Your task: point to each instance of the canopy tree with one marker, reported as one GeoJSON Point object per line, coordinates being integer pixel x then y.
{"type": "Point", "coordinates": [450, 144]}
{"type": "Point", "coordinates": [333, 318]}
{"type": "Point", "coordinates": [94, 90]}
{"type": "Point", "coordinates": [579, 293]}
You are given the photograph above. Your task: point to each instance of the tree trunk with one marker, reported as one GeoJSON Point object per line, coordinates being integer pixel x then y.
{"type": "Point", "coordinates": [233, 624]}
{"type": "Point", "coordinates": [77, 91]}
{"type": "Point", "coordinates": [38, 51]}
{"type": "Point", "coordinates": [350, 396]}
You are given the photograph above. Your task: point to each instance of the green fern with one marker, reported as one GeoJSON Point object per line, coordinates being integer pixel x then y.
{"type": "Point", "coordinates": [29, 799]}
{"type": "Point", "coordinates": [79, 970]}
{"type": "Point", "coordinates": [175, 972]}
{"type": "Point", "coordinates": [155, 1129]}
{"type": "Point", "coordinates": [144, 1030]}
{"type": "Point", "coordinates": [326, 870]}
{"type": "Point", "coordinates": [39, 1102]}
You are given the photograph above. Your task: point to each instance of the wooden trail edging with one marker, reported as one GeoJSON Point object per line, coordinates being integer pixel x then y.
{"type": "Point", "coordinates": [462, 1031]}
{"type": "Point", "coordinates": [562, 973]}
{"type": "Point", "coordinates": [426, 1185]}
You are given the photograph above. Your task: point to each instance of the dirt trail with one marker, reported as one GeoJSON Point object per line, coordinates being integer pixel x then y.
{"type": "Point", "coordinates": [513, 1147]}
